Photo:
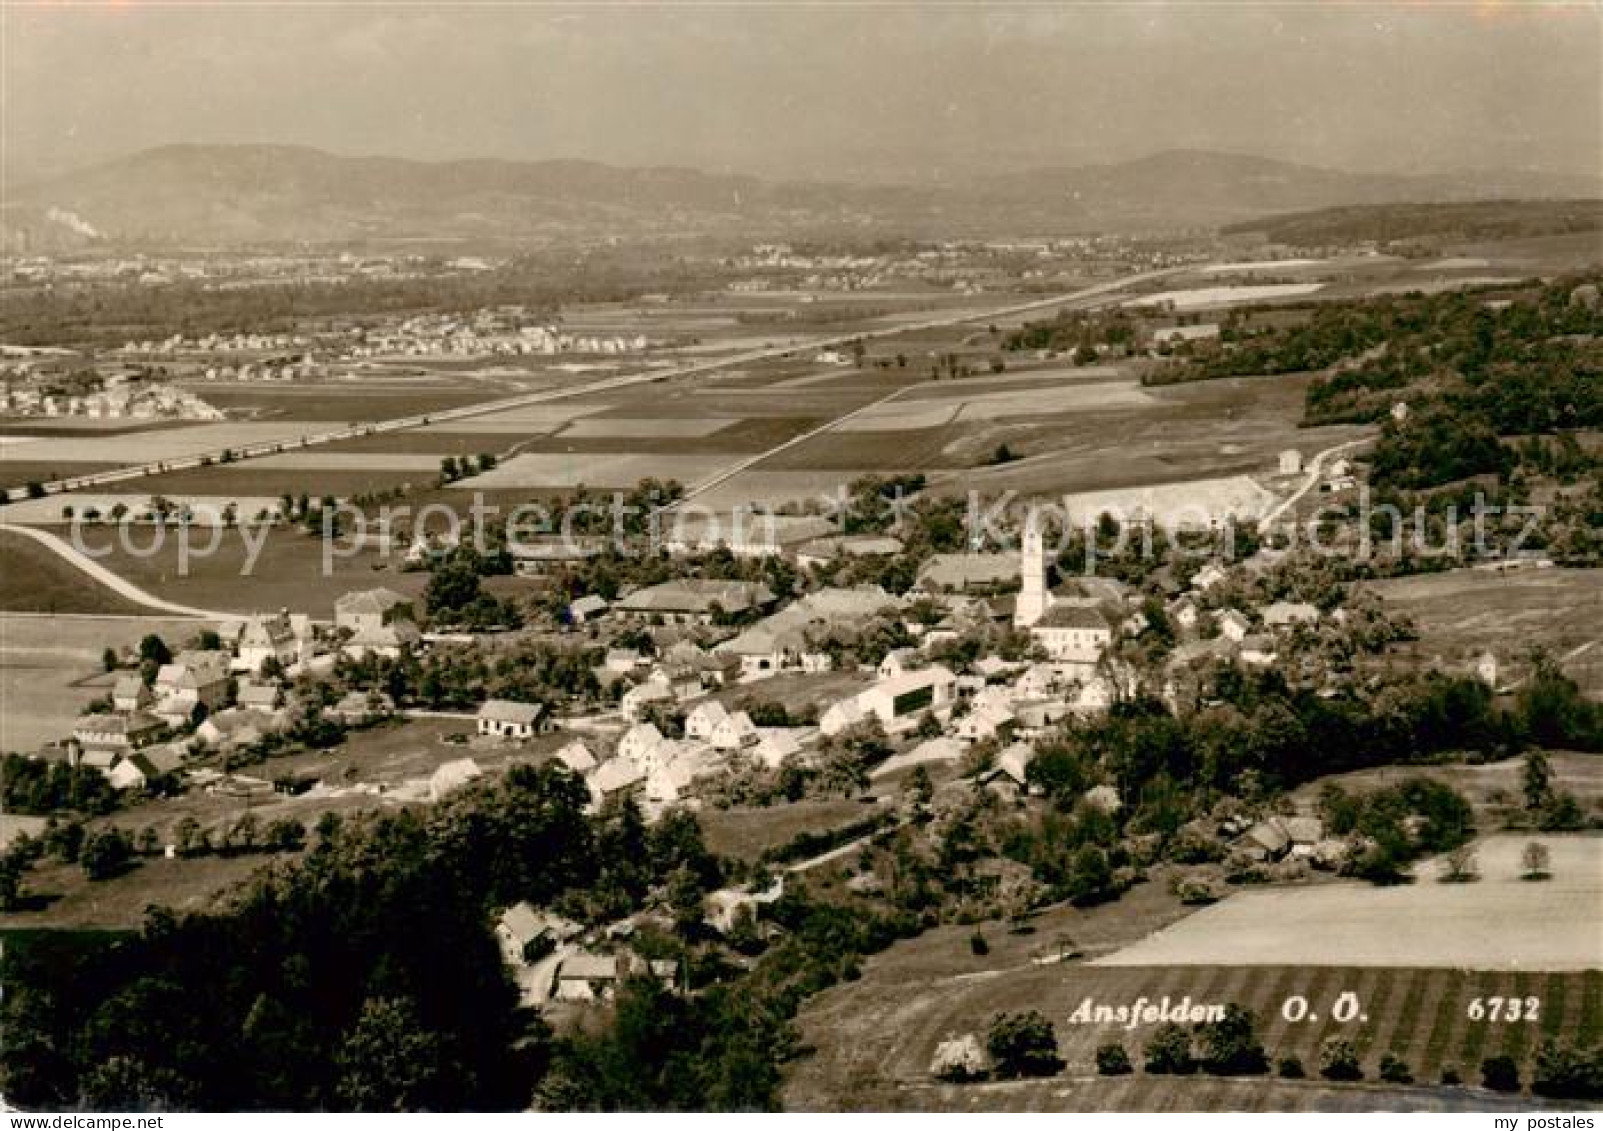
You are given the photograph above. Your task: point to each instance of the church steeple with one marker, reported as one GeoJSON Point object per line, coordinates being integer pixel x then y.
{"type": "Point", "coordinates": [1033, 597]}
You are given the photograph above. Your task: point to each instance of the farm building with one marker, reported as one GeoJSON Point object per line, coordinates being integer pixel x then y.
{"type": "Point", "coordinates": [117, 734]}
{"type": "Point", "coordinates": [526, 934]}
{"type": "Point", "coordinates": [130, 694]}
{"type": "Point", "coordinates": [967, 573]}
{"type": "Point", "coordinates": [694, 601]}
{"type": "Point", "coordinates": [587, 609]}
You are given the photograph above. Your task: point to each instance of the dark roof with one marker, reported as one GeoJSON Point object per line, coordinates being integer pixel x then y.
{"type": "Point", "coordinates": [1072, 616]}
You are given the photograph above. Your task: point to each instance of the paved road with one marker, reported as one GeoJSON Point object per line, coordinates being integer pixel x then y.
{"type": "Point", "coordinates": [119, 585]}
{"type": "Point", "coordinates": [625, 381]}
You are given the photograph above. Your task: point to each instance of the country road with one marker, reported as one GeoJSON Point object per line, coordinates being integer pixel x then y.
{"type": "Point", "coordinates": [119, 585]}
{"type": "Point", "coordinates": [419, 420]}
{"type": "Point", "coordinates": [1315, 471]}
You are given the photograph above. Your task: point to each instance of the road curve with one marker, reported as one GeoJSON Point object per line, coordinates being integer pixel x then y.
{"type": "Point", "coordinates": [1316, 469]}
{"type": "Point", "coordinates": [119, 585]}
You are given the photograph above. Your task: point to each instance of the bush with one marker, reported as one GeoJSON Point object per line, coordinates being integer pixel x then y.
{"type": "Point", "coordinates": [1290, 1068]}
{"type": "Point", "coordinates": [1112, 1060]}
{"type": "Point", "coordinates": [1500, 1074]}
{"type": "Point", "coordinates": [977, 943]}
{"type": "Point", "coordinates": [1451, 1078]}
{"type": "Point", "coordinates": [1568, 1074]}
{"type": "Point", "coordinates": [1395, 1070]}
{"type": "Point", "coordinates": [1023, 1044]}
{"type": "Point", "coordinates": [1338, 1060]}
{"type": "Point", "coordinates": [1169, 1051]}
{"type": "Point", "coordinates": [1230, 1046]}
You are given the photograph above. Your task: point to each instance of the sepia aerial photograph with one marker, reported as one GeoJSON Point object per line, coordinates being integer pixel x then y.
{"type": "Point", "coordinates": [895, 557]}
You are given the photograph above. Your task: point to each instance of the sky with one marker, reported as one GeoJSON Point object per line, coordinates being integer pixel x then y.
{"type": "Point", "coordinates": [826, 91]}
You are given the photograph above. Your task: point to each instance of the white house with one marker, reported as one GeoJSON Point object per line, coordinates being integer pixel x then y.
{"type": "Point", "coordinates": [1234, 625]}
{"type": "Point", "coordinates": [504, 718]}
{"type": "Point", "coordinates": [1072, 633]}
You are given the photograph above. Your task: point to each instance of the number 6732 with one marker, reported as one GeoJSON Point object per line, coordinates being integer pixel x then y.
{"type": "Point", "coordinates": [1504, 1009]}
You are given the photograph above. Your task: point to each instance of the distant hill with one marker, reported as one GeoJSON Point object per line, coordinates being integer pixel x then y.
{"type": "Point", "coordinates": [203, 195]}
{"type": "Point", "coordinates": [1463, 222]}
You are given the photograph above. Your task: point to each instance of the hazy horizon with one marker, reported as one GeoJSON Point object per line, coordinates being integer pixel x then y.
{"type": "Point", "coordinates": [880, 93]}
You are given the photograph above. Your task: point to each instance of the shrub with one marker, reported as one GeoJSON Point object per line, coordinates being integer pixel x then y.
{"type": "Point", "coordinates": [1112, 1060]}
{"type": "Point", "coordinates": [1169, 1051]}
{"type": "Point", "coordinates": [1230, 1046]}
{"type": "Point", "coordinates": [1500, 1074]}
{"type": "Point", "coordinates": [1451, 1078]}
{"type": "Point", "coordinates": [1570, 1074]}
{"type": "Point", "coordinates": [1395, 1070]}
{"type": "Point", "coordinates": [1023, 1044]}
{"type": "Point", "coordinates": [977, 943]}
{"type": "Point", "coordinates": [1338, 1060]}
{"type": "Point", "coordinates": [1290, 1068]}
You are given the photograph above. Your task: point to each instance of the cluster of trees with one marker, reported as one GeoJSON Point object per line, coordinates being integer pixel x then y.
{"type": "Point", "coordinates": [461, 676]}
{"type": "Point", "coordinates": [452, 468]}
{"type": "Point", "coordinates": [1399, 823]}
{"type": "Point", "coordinates": [361, 976]}
{"type": "Point", "coordinates": [38, 788]}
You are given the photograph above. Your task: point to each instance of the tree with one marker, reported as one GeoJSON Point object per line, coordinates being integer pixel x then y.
{"type": "Point", "coordinates": [1500, 1074]}
{"type": "Point", "coordinates": [1338, 1060]}
{"type": "Point", "coordinates": [108, 659]}
{"type": "Point", "coordinates": [285, 835]}
{"type": "Point", "coordinates": [1230, 1045]}
{"type": "Point", "coordinates": [1395, 1070]}
{"type": "Point", "coordinates": [1537, 780]}
{"type": "Point", "coordinates": [1112, 1060]}
{"type": "Point", "coordinates": [388, 1061]}
{"type": "Point", "coordinates": [1023, 1044]}
{"type": "Point", "coordinates": [105, 854]}
{"type": "Point", "coordinates": [1290, 1068]}
{"type": "Point", "coordinates": [153, 649]}
{"type": "Point", "coordinates": [1168, 1052]}
{"type": "Point", "coordinates": [1535, 859]}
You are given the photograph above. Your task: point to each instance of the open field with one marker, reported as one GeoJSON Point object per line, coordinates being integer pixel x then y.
{"type": "Point", "coordinates": [629, 428]}
{"type": "Point", "coordinates": [1201, 298]}
{"type": "Point", "coordinates": [50, 668]}
{"type": "Point", "coordinates": [748, 833]}
{"type": "Point", "coordinates": [324, 404]}
{"type": "Point", "coordinates": [593, 469]}
{"type": "Point", "coordinates": [1464, 612]}
{"type": "Point", "coordinates": [33, 579]}
{"type": "Point", "coordinates": [1498, 922]}
{"type": "Point", "coordinates": [18, 472]}
{"type": "Point", "coordinates": [322, 459]}
{"type": "Point", "coordinates": [152, 447]}
{"type": "Point", "coordinates": [288, 572]}
{"type": "Point", "coordinates": [874, 1038]}
{"type": "Point", "coordinates": [1489, 786]}
{"type": "Point", "coordinates": [248, 478]}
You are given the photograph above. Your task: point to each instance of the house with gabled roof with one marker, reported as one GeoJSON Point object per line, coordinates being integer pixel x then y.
{"type": "Point", "coordinates": [130, 694]}
{"type": "Point", "coordinates": [506, 718]}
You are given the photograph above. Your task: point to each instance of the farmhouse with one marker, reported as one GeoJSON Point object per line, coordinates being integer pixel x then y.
{"type": "Point", "coordinates": [1234, 625]}
{"type": "Point", "coordinates": [116, 734]}
{"type": "Point", "coordinates": [264, 638]}
{"type": "Point", "coordinates": [694, 601]}
{"type": "Point", "coordinates": [504, 718]}
{"type": "Point", "coordinates": [526, 934]}
{"type": "Point", "coordinates": [143, 766]}
{"type": "Point", "coordinates": [130, 694]}
{"type": "Point", "coordinates": [576, 756]}
{"type": "Point", "coordinates": [821, 551]}
{"type": "Point", "coordinates": [192, 678]}
{"type": "Point", "coordinates": [368, 609]}
{"type": "Point", "coordinates": [621, 777]}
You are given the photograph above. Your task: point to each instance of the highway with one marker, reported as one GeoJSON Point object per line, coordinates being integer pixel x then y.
{"type": "Point", "coordinates": [607, 384]}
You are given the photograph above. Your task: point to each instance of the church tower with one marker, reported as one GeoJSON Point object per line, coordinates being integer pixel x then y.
{"type": "Point", "coordinates": [1033, 596]}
